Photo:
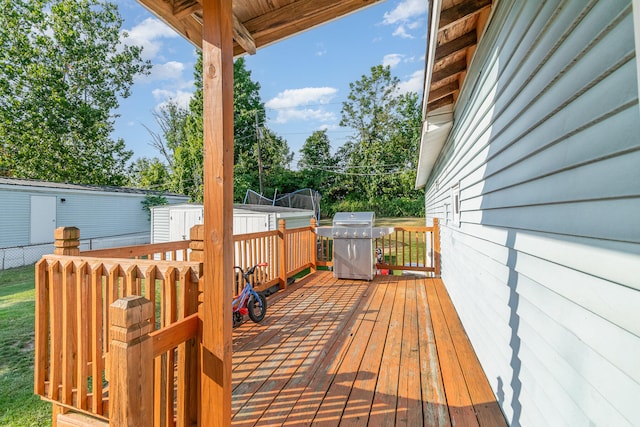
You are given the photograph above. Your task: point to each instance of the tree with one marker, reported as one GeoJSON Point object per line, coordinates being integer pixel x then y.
{"type": "Point", "coordinates": [149, 173]}
{"type": "Point", "coordinates": [380, 159]}
{"type": "Point", "coordinates": [316, 162]}
{"type": "Point", "coordinates": [62, 68]}
{"type": "Point", "coordinates": [249, 116]}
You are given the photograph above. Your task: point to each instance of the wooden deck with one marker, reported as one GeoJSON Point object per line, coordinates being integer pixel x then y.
{"type": "Point", "coordinates": [340, 352]}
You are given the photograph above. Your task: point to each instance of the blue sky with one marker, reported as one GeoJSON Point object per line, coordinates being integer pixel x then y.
{"type": "Point", "coordinates": [303, 79]}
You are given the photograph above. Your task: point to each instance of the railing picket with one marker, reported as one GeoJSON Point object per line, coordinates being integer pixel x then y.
{"type": "Point", "coordinates": [41, 328]}
{"type": "Point", "coordinates": [97, 328]}
{"type": "Point", "coordinates": [82, 319]}
{"type": "Point", "coordinates": [69, 335]}
{"type": "Point", "coordinates": [55, 320]}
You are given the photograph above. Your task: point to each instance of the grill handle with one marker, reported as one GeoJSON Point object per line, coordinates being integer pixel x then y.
{"type": "Point", "coordinates": [352, 223]}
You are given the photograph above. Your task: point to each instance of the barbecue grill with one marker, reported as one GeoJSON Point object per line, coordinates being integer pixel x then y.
{"type": "Point", "coordinates": [353, 234]}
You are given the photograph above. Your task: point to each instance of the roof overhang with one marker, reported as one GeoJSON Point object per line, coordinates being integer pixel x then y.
{"type": "Point", "coordinates": [256, 23]}
{"type": "Point", "coordinates": [455, 29]}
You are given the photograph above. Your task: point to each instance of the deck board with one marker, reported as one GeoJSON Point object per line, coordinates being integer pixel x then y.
{"type": "Point", "coordinates": [337, 352]}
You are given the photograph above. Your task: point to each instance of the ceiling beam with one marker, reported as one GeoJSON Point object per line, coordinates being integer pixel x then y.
{"type": "Point", "coordinates": [456, 45]}
{"type": "Point", "coordinates": [184, 8]}
{"type": "Point", "coordinates": [450, 70]}
{"type": "Point", "coordinates": [243, 37]}
{"type": "Point", "coordinates": [443, 91]}
{"type": "Point", "coordinates": [460, 11]}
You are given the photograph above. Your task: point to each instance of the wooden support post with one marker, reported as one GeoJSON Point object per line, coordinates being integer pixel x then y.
{"type": "Point", "coordinates": [314, 245]}
{"type": "Point", "coordinates": [196, 234]}
{"type": "Point", "coordinates": [130, 361]}
{"type": "Point", "coordinates": [282, 253]}
{"type": "Point", "coordinates": [436, 246]}
{"type": "Point", "coordinates": [67, 241]}
{"type": "Point", "coordinates": [216, 345]}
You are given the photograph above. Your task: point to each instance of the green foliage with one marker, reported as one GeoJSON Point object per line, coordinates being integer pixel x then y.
{"type": "Point", "coordinates": [63, 67]}
{"type": "Point", "coordinates": [19, 406]}
{"type": "Point", "coordinates": [151, 200]}
{"type": "Point", "coordinates": [316, 163]}
{"type": "Point", "coordinates": [374, 170]}
{"type": "Point", "coordinates": [378, 165]}
{"type": "Point", "coordinates": [181, 140]}
{"type": "Point", "coordinates": [150, 174]}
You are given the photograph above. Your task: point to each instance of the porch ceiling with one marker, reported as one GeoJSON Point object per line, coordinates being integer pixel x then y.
{"type": "Point", "coordinates": [256, 23]}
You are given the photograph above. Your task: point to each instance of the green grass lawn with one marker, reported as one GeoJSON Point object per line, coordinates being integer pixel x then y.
{"type": "Point", "coordinates": [18, 405]}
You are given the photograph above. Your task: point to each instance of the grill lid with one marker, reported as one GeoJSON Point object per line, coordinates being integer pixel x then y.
{"type": "Point", "coordinates": [353, 219]}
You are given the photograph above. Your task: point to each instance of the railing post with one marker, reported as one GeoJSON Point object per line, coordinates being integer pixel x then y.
{"type": "Point", "coordinates": [314, 245]}
{"type": "Point", "coordinates": [436, 246]}
{"type": "Point", "coordinates": [196, 234]}
{"type": "Point", "coordinates": [282, 247]}
{"type": "Point", "coordinates": [67, 241]}
{"type": "Point", "coordinates": [131, 363]}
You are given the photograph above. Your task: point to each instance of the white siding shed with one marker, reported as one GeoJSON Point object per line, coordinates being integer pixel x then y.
{"type": "Point", "coordinates": [172, 222]}
{"type": "Point", "coordinates": [543, 262]}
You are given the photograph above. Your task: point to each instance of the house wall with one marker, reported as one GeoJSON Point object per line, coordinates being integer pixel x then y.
{"type": "Point", "coordinates": [543, 258]}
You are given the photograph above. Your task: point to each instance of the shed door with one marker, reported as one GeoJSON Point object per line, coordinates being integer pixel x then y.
{"type": "Point", "coordinates": [43, 219]}
{"type": "Point", "coordinates": [181, 221]}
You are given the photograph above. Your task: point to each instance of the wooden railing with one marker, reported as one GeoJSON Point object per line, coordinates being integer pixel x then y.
{"type": "Point", "coordinates": [404, 249]}
{"type": "Point", "coordinates": [128, 301]}
{"type": "Point", "coordinates": [286, 251]}
{"type": "Point", "coordinates": [411, 249]}
{"type": "Point", "coordinates": [170, 251]}
{"type": "Point", "coordinates": [73, 320]}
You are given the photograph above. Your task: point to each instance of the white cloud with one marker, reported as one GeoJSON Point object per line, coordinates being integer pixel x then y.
{"type": "Point", "coordinates": [171, 70]}
{"type": "Point", "coordinates": [392, 59]}
{"type": "Point", "coordinates": [408, 15]}
{"type": "Point", "coordinates": [179, 96]}
{"type": "Point", "coordinates": [292, 98]}
{"type": "Point", "coordinates": [402, 33]}
{"type": "Point", "coordinates": [306, 114]}
{"type": "Point", "coordinates": [289, 104]}
{"type": "Point", "coordinates": [149, 34]}
{"type": "Point", "coordinates": [321, 50]}
{"type": "Point", "coordinates": [407, 10]}
{"type": "Point", "coordinates": [415, 83]}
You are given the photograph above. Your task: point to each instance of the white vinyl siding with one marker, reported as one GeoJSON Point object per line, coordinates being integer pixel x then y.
{"type": "Point", "coordinates": [544, 268]}
{"type": "Point", "coordinates": [14, 219]}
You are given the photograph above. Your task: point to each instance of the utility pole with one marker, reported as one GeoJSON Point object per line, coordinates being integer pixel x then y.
{"type": "Point", "coordinates": [259, 155]}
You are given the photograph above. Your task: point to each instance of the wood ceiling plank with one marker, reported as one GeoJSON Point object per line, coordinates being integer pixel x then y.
{"type": "Point", "coordinates": [447, 100]}
{"type": "Point", "coordinates": [456, 45]}
{"type": "Point", "coordinates": [461, 11]}
{"type": "Point", "coordinates": [183, 9]}
{"type": "Point", "coordinates": [443, 91]}
{"type": "Point", "coordinates": [448, 71]}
